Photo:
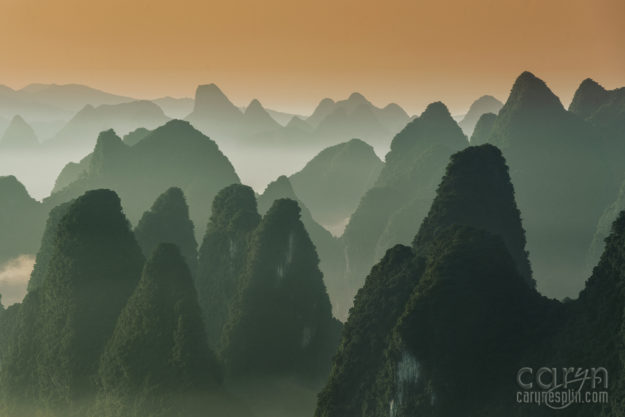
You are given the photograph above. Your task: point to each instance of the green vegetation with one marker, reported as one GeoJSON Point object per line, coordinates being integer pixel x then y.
{"type": "Point", "coordinates": [174, 154]}
{"type": "Point", "coordinates": [157, 361]}
{"type": "Point", "coordinates": [546, 147]}
{"type": "Point", "coordinates": [223, 256]}
{"type": "Point", "coordinates": [47, 247]}
{"type": "Point", "coordinates": [21, 220]}
{"type": "Point", "coordinates": [168, 222]}
{"type": "Point", "coordinates": [392, 211]}
{"type": "Point", "coordinates": [476, 191]}
{"type": "Point", "coordinates": [281, 321]}
{"type": "Point", "coordinates": [63, 326]}
{"type": "Point", "coordinates": [329, 248]}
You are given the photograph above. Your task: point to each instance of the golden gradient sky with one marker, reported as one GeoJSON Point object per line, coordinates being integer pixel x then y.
{"type": "Point", "coordinates": [291, 53]}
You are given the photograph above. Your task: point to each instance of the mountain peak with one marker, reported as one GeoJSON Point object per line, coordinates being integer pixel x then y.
{"type": "Point", "coordinates": [280, 187]}
{"type": "Point", "coordinates": [326, 102]}
{"type": "Point", "coordinates": [209, 90]}
{"type": "Point", "coordinates": [530, 91]}
{"type": "Point", "coordinates": [484, 104]}
{"type": "Point", "coordinates": [355, 96]}
{"type": "Point", "coordinates": [19, 134]}
{"type": "Point", "coordinates": [589, 96]}
{"type": "Point", "coordinates": [255, 104]}
{"type": "Point", "coordinates": [211, 102]}
{"type": "Point", "coordinates": [436, 111]}
{"type": "Point", "coordinates": [476, 191]}
{"type": "Point", "coordinates": [255, 108]}
{"type": "Point", "coordinates": [258, 117]}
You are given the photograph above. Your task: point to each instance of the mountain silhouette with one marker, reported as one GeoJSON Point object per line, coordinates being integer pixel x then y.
{"type": "Point", "coordinates": [476, 191]}
{"type": "Point", "coordinates": [391, 211]}
{"type": "Point", "coordinates": [328, 247]}
{"type": "Point", "coordinates": [213, 113]}
{"type": "Point", "coordinates": [483, 129]}
{"type": "Point", "coordinates": [334, 181]}
{"type": "Point", "coordinates": [157, 356]}
{"type": "Point", "coordinates": [167, 221]}
{"type": "Point", "coordinates": [567, 188]}
{"type": "Point", "coordinates": [223, 256]}
{"type": "Point", "coordinates": [258, 119]}
{"type": "Point", "coordinates": [173, 155]}
{"type": "Point", "coordinates": [484, 104]}
{"type": "Point", "coordinates": [65, 324]}
{"type": "Point", "coordinates": [18, 135]}
{"type": "Point", "coordinates": [281, 322]}
{"type": "Point", "coordinates": [88, 122]}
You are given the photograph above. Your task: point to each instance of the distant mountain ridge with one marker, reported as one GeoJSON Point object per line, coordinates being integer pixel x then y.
{"type": "Point", "coordinates": [484, 104]}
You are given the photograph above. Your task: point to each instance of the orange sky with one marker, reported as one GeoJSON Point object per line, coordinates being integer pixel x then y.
{"type": "Point", "coordinates": [292, 53]}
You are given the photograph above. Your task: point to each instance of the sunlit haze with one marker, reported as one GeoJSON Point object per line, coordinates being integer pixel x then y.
{"type": "Point", "coordinates": [292, 54]}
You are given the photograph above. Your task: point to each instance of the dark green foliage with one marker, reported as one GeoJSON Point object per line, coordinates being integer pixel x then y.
{"type": "Point", "coordinates": [281, 321]}
{"type": "Point", "coordinates": [476, 191]}
{"type": "Point", "coordinates": [21, 220]}
{"type": "Point", "coordinates": [47, 247]}
{"type": "Point", "coordinates": [365, 226]}
{"type": "Point", "coordinates": [562, 180]}
{"type": "Point", "coordinates": [595, 329]}
{"type": "Point", "coordinates": [367, 333]}
{"type": "Point", "coordinates": [174, 154]}
{"type": "Point", "coordinates": [63, 326]}
{"type": "Point", "coordinates": [405, 189]}
{"type": "Point", "coordinates": [158, 353]}
{"type": "Point", "coordinates": [329, 248]}
{"type": "Point", "coordinates": [168, 222]}
{"type": "Point", "coordinates": [440, 333]}
{"type": "Point", "coordinates": [223, 255]}
{"type": "Point", "coordinates": [8, 319]}
{"type": "Point", "coordinates": [465, 324]}
{"type": "Point", "coordinates": [334, 181]}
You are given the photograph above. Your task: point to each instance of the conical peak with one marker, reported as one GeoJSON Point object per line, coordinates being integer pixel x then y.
{"type": "Point", "coordinates": [284, 209]}
{"type": "Point", "coordinates": [436, 111]}
{"type": "Point", "coordinates": [94, 213]}
{"type": "Point", "coordinates": [529, 90]}
{"type": "Point", "coordinates": [233, 198]}
{"type": "Point", "coordinates": [173, 198]}
{"type": "Point", "coordinates": [108, 138]}
{"type": "Point", "coordinates": [588, 97]}
{"type": "Point", "coordinates": [166, 266]}
{"type": "Point", "coordinates": [357, 97]}
{"type": "Point", "coordinates": [254, 105]}
{"type": "Point", "coordinates": [281, 187]}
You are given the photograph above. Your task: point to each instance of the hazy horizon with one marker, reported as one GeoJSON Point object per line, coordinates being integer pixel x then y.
{"type": "Point", "coordinates": [290, 56]}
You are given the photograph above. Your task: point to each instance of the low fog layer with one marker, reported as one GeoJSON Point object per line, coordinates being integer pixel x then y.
{"type": "Point", "coordinates": [14, 276]}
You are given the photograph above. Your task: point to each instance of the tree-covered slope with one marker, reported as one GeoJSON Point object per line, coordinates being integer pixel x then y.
{"type": "Point", "coordinates": [157, 362]}
{"type": "Point", "coordinates": [329, 248]}
{"type": "Point", "coordinates": [223, 256]}
{"type": "Point", "coordinates": [390, 212]}
{"type": "Point", "coordinates": [173, 155]}
{"type": "Point", "coordinates": [281, 321]}
{"type": "Point", "coordinates": [63, 326]}
{"type": "Point", "coordinates": [562, 179]}
{"type": "Point", "coordinates": [22, 220]}
{"type": "Point", "coordinates": [167, 221]}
